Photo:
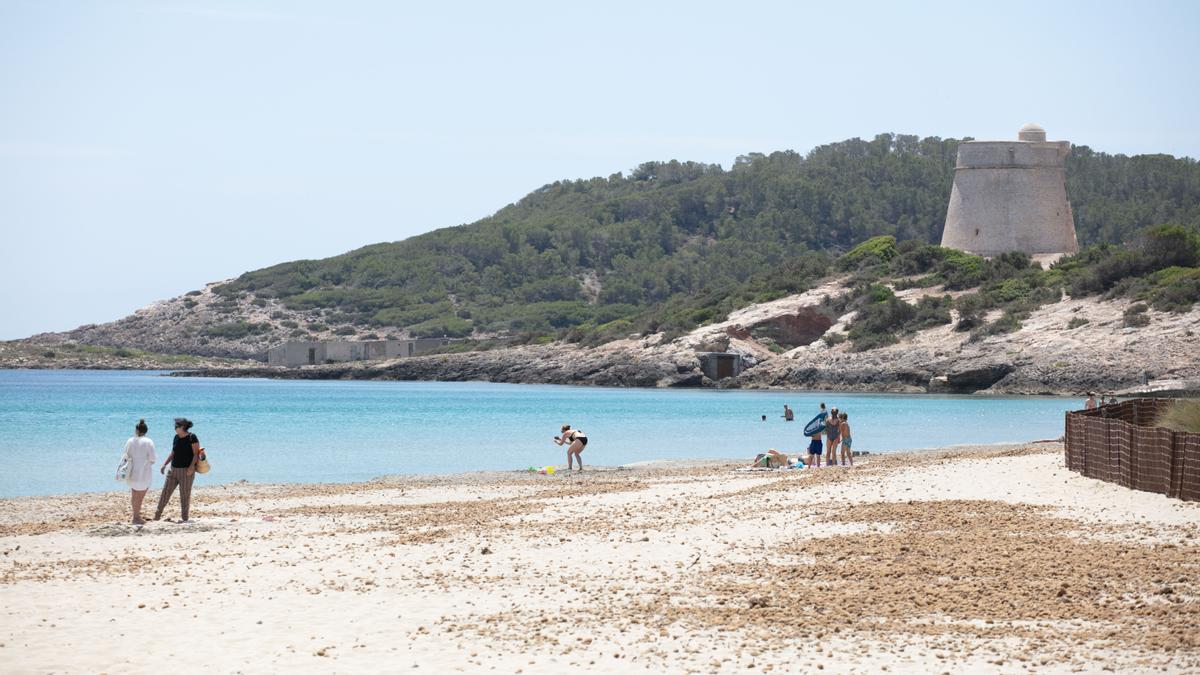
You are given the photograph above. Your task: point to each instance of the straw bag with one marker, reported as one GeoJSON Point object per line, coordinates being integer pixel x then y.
{"type": "Point", "coordinates": [202, 465]}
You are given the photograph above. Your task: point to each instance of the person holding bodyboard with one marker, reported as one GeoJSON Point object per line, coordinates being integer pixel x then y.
{"type": "Point", "coordinates": [814, 429]}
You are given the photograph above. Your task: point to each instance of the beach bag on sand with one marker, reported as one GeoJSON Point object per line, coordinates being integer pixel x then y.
{"type": "Point", "coordinates": [202, 465]}
{"type": "Point", "coordinates": [122, 469]}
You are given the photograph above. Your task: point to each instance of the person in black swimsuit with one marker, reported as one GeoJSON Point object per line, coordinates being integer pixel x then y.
{"type": "Point", "coordinates": [577, 440]}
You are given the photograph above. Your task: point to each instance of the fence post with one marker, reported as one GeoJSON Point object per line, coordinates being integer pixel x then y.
{"type": "Point", "coordinates": [1174, 468]}
{"type": "Point", "coordinates": [1189, 468]}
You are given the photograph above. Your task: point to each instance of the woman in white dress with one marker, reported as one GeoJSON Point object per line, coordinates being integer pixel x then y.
{"type": "Point", "coordinates": [140, 451]}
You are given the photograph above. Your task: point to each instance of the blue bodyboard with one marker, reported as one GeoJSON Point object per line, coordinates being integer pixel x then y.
{"type": "Point", "coordinates": [816, 425]}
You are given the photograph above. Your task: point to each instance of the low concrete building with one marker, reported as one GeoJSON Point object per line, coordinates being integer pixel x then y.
{"type": "Point", "coordinates": [308, 353]}
{"type": "Point", "coordinates": [720, 365]}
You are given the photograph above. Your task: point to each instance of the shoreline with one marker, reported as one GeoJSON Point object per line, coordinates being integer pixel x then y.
{"type": "Point", "coordinates": [908, 561]}
{"type": "Point", "coordinates": [561, 472]}
{"type": "Point", "coordinates": [1184, 388]}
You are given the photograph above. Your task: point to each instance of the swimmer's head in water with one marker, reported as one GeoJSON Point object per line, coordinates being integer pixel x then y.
{"type": "Point", "coordinates": [565, 427]}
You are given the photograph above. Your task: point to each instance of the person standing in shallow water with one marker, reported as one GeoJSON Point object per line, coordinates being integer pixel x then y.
{"type": "Point", "coordinates": [185, 452]}
{"type": "Point", "coordinates": [140, 451]}
{"type": "Point", "coordinates": [577, 440]}
{"type": "Point", "coordinates": [788, 415]}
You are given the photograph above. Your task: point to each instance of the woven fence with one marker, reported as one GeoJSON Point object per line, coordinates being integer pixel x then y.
{"type": "Point", "coordinates": [1119, 444]}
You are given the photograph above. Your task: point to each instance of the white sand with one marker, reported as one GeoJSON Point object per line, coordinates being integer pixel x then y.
{"type": "Point", "coordinates": [694, 568]}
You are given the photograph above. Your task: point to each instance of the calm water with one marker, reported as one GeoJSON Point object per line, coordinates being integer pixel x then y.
{"type": "Point", "coordinates": [62, 431]}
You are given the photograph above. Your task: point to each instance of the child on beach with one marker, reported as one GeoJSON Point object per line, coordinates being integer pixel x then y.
{"type": "Point", "coordinates": [814, 451]}
{"type": "Point", "coordinates": [577, 440]}
{"type": "Point", "coordinates": [847, 441]}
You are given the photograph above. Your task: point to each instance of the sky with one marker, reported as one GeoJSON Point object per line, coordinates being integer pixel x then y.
{"type": "Point", "coordinates": [150, 147]}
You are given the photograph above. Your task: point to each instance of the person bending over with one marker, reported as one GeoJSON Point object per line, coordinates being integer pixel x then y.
{"type": "Point", "coordinates": [575, 440]}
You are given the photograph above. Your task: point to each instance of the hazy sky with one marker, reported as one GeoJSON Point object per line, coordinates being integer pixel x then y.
{"type": "Point", "coordinates": [147, 148]}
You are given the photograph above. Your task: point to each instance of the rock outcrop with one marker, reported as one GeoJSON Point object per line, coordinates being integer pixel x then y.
{"type": "Point", "coordinates": [205, 323]}
{"type": "Point", "coordinates": [1071, 346]}
{"type": "Point", "coordinates": [544, 364]}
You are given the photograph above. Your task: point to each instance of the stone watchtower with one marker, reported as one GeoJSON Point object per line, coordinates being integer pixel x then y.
{"type": "Point", "coordinates": [1011, 196]}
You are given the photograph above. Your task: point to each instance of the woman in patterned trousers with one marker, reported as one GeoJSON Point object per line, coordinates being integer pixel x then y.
{"type": "Point", "coordinates": [185, 451]}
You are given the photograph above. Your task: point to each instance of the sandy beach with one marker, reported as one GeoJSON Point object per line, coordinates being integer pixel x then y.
{"type": "Point", "coordinates": [987, 559]}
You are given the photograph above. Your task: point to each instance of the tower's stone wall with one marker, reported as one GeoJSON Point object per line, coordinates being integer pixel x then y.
{"type": "Point", "coordinates": [1010, 196]}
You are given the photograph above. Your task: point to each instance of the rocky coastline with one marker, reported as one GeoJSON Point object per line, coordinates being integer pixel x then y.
{"type": "Point", "coordinates": [1064, 348]}
{"type": "Point", "coordinates": [570, 366]}
{"type": "Point", "coordinates": [27, 355]}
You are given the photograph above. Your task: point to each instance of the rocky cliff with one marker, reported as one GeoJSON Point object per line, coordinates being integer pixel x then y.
{"type": "Point", "coordinates": [203, 323]}
{"type": "Point", "coordinates": [1067, 347]}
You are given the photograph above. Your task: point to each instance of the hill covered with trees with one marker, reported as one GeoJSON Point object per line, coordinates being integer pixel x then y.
{"type": "Point", "coordinates": [675, 244]}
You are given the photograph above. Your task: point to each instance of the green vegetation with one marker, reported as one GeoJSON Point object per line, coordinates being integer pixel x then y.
{"type": "Point", "coordinates": [1181, 416]}
{"type": "Point", "coordinates": [450, 326]}
{"type": "Point", "coordinates": [883, 318]}
{"type": "Point", "coordinates": [95, 353]}
{"type": "Point", "coordinates": [1157, 268]}
{"type": "Point", "coordinates": [1135, 315]}
{"type": "Point", "coordinates": [649, 242]}
{"type": "Point", "coordinates": [874, 251]}
{"type": "Point", "coordinates": [236, 330]}
{"type": "Point", "coordinates": [673, 245]}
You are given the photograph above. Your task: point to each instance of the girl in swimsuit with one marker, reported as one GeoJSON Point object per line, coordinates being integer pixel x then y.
{"type": "Point", "coordinates": [832, 432]}
{"type": "Point", "coordinates": [577, 440]}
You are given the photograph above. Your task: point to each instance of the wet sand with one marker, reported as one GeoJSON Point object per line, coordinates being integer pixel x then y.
{"type": "Point", "coordinates": [989, 559]}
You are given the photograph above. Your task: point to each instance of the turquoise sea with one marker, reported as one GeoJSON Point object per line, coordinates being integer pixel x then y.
{"type": "Point", "coordinates": [63, 431]}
